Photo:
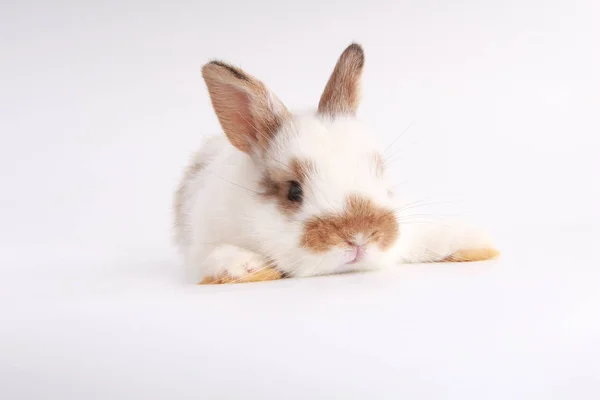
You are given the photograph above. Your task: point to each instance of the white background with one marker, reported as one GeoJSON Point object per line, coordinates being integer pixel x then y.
{"type": "Point", "coordinates": [101, 103]}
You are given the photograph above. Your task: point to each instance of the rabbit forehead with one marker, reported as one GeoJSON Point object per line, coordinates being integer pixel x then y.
{"type": "Point", "coordinates": [304, 131]}
{"type": "Point", "coordinates": [334, 145]}
{"type": "Point", "coordinates": [344, 159]}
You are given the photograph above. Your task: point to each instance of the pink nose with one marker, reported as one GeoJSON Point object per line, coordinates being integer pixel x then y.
{"type": "Point", "coordinates": [359, 254]}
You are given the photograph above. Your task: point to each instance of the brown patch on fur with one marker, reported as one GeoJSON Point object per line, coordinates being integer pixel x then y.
{"type": "Point", "coordinates": [266, 274]}
{"type": "Point", "coordinates": [472, 255]}
{"type": "Point", "coordinates": [360, 216]}
{"type": "Point", "coordinates": [342, 92]}
{"type": "Point", "coordinates": [248, 112]}
{"type": "Point", "coordinates": [178, 204]}
{"type": "Point", "coordinates": [302, 169]}
{"type": "Point", "coordinates": [276, 183]}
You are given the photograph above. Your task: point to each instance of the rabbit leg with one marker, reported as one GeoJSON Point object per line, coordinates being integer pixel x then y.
{"type": "Point", "coordinates": [232, 264]}
{"type": "Point", "coordinates": [450, 241]}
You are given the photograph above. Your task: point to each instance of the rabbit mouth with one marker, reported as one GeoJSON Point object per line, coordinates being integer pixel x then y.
{"type": "Point", "coordinates": [356, 254]}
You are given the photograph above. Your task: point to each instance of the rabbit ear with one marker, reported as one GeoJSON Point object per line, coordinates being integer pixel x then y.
{"type": "Point", "coordinates": [341, 95]}
{"type": "Point", "coordinates": [248, 112]}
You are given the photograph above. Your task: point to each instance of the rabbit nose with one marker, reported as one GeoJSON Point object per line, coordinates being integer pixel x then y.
{"type": "Point", "coordinates": [358, 239]}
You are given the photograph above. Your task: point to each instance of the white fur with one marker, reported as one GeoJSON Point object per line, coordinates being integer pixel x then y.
{"type": "Point", "coordinates": [225, 218]}
{"type": "Point", "coordinates": [234, 261]}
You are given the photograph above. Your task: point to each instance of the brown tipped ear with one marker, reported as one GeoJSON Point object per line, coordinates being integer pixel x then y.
{"type": "Point", "coordinates": [248, 112]}
{"type": "Point", "coordinates": [342, 93]}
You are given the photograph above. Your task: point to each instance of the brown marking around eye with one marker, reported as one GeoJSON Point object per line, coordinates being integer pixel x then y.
{"type": "Point", "coordinates": [275, 183]}
{"type": "Point", "coordinates": [360, 216]}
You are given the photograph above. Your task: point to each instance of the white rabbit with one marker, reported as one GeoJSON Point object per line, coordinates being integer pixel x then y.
{"type": "Point", "coordinates": [298, 194]}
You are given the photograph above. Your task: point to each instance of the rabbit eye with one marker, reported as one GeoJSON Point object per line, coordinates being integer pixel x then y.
{"type": "Point", "coordinates": [295, 192]}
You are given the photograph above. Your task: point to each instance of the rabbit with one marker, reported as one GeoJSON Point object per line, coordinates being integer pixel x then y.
{"type": "Point", "coordinates": [286, 194]}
